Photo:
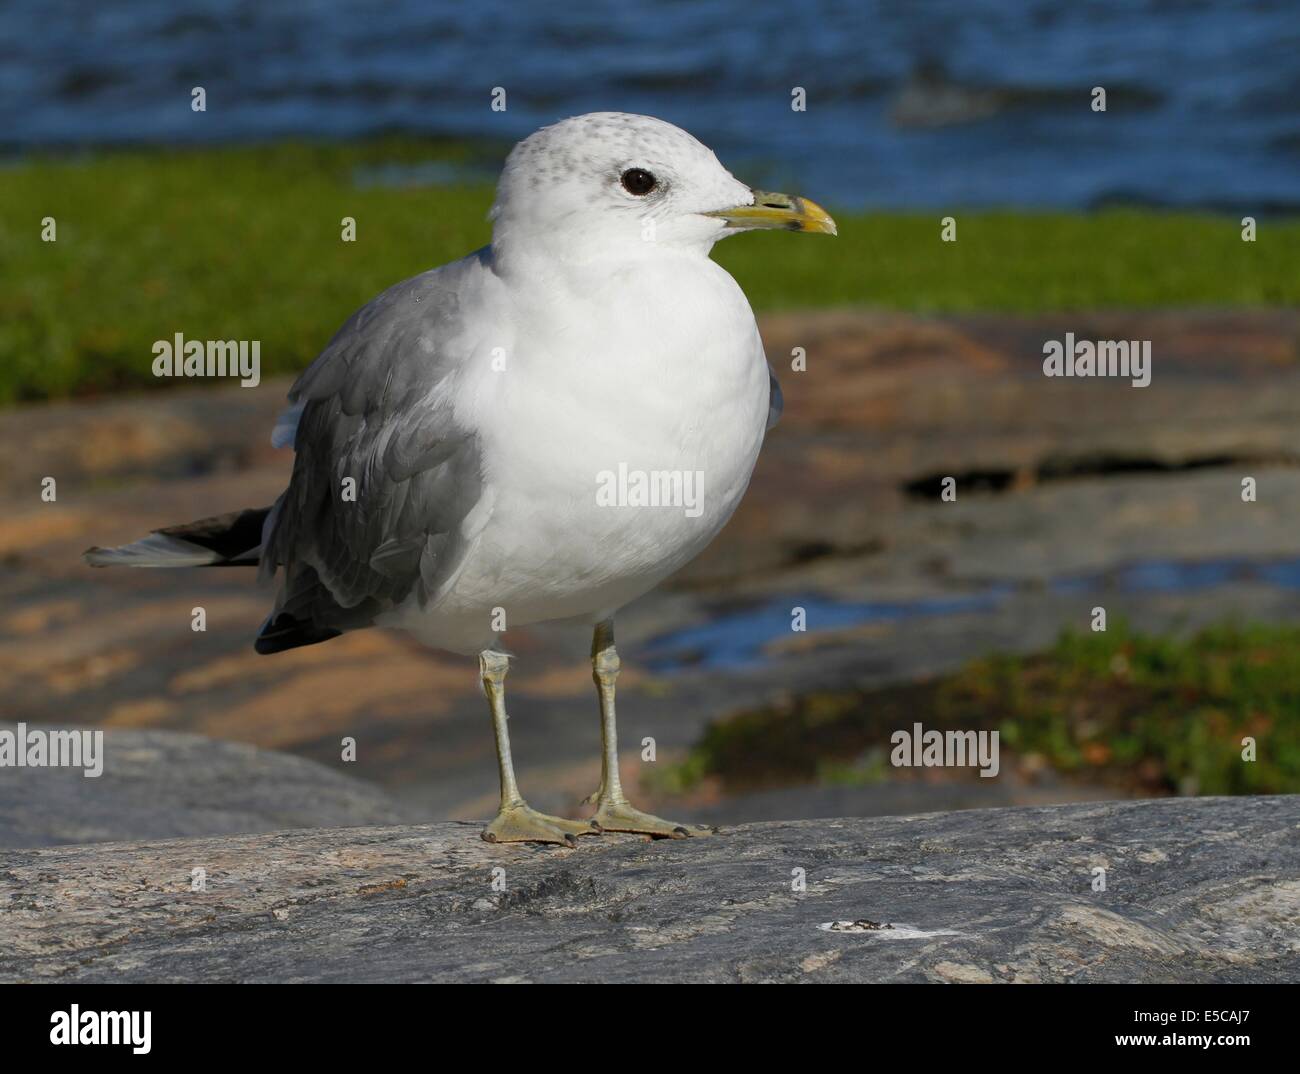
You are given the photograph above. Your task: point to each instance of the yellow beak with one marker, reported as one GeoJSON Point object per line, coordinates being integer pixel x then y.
{"type": "Point", "coordinates": [772, 210]}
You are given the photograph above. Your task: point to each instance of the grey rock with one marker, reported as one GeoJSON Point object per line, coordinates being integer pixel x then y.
{"type": "Point", "coordinates": [164, 785]}
{"type": "Point", "coordinates": [1196, 890]}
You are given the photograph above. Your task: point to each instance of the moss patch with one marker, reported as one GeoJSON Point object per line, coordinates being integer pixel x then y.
{"type": "Point", "coordinates": [1147, 714]}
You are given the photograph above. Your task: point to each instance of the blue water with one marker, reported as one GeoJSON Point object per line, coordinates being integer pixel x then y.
{"type": "Point", "coordinates": [737, 639]}
{"type": "Point", "coordinates": [931, 103]}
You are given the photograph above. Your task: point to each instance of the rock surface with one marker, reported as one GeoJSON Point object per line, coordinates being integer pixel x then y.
{"type": "Point", "coordinates": [1196, 890]}
{"type": "Point", "coordinates": [163, 785]}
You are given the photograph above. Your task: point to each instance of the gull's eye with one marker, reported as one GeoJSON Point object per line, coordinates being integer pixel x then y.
{"type": "Point", "coordinates": [638, 181]}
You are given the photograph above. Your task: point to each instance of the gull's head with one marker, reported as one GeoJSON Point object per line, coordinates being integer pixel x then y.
{"type": "Point", "coordinates": [615, 182]}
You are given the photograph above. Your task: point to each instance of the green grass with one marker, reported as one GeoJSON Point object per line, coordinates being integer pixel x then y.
{"type": "Point", "coordinates": [244, 243]}
{"type": "Point", "coordinates": [1148, 714]}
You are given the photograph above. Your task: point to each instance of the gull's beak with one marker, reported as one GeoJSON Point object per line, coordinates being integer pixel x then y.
{"type": "Point", "coordinates": [778, 211]}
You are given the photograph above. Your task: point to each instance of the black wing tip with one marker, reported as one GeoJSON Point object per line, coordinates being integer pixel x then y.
{"type": "Point", "coordinates": [285, 632]}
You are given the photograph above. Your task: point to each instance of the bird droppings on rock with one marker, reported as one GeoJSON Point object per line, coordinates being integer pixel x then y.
{"type": "Point", "coordinates": [861, 925]}
{"type": "Point", "coordinates": [890, 932]}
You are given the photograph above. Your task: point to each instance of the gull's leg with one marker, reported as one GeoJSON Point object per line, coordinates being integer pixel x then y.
{"type": "Point", "coordinates": [517, 822]}
{"type": "Point", "coordinates": [613, 811]}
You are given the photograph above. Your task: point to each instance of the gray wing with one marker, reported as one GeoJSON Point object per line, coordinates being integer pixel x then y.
{"type": "Point", "coordinates": [775, 400]}
{"type": "Point", "coordinates": [375, 407]}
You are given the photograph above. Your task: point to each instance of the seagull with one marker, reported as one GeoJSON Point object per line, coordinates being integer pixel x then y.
{"type": "Point", "coordinates": [539, 432]}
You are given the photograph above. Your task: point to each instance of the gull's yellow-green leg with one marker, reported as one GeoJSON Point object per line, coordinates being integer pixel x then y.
{"type": "Point", "coordinates": [613, 811]}
{"type": "Point", "coordinates": [517, 821]}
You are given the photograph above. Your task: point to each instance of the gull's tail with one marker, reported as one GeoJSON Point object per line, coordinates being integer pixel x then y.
{"type": "Point", "coordinates": [233, 540]}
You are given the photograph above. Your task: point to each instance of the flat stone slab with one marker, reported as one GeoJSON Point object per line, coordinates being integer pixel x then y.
{"type": "Point", "coordinates": [1195, 890]}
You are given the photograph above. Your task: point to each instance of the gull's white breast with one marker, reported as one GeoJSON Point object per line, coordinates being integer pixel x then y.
{"type": "Point", "coordinates": [653, 365]}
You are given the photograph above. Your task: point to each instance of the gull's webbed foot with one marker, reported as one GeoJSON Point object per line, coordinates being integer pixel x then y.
{"type": "Point", "coordinates": [619, 815]}
{"type": "Point", "coordinates": [521, 823]}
